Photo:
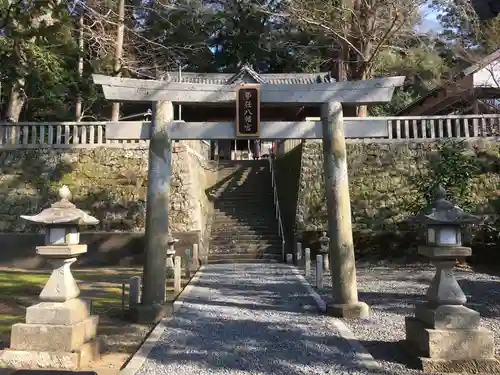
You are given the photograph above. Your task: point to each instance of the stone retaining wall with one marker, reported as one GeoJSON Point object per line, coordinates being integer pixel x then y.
{"type": "Point", "coordinates": [384, 192]}
{"type": "Point", "coordinates": [110, 183]}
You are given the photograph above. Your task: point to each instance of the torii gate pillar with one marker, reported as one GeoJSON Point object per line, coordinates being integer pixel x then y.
{"type": "Point", "coordinates": [345, 302]}
{"type": "Point", "coordinates": [152, 307]}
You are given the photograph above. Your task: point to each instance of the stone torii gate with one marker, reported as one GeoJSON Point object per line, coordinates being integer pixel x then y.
{"type": "Point", "coordinates": [332, 129]}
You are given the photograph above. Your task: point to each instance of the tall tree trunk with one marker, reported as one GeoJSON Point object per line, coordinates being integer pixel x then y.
{"type": "Point", "coordinates": [79, 99]}
{"type": "Point", "coordinates": [17, 97]}
{"type": "Point", "coordinates": [16, 101]}
{"type": "Point", "coordinates": [115, 112]}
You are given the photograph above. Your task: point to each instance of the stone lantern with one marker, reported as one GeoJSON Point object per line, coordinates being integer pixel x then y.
{"type": "Point", "coordinates": [324, 249]}
{"type": "Point", "coordinates": [446, 335]}
{"type": "Point", "coordinates": [170, 255]}
{"type": "Point", "coordinates": [59, 332]}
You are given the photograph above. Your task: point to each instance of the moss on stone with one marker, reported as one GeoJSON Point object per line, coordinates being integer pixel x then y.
{"type": "Point", "coordinates": [384, 192]}
{"type": "Point", "coordinates": [110, 183]}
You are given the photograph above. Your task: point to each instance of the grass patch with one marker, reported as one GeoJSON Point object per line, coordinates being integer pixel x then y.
{"type": "Point", "coordinates": [13, 284]}
{"type": "Point", "coordinates": [102, 286]}
{"type": "Point", "coordinates": [7, 320]}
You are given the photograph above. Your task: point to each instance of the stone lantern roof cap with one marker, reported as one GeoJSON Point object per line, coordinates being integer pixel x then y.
{"type": "Point", "coordinates": [444, 212]}
{"type": "Point", "coordinates": [324, 237]}
{"type": "Point", "coordinates": [62, 212]}
{"type": "Point", "coordinates": [172, 240]}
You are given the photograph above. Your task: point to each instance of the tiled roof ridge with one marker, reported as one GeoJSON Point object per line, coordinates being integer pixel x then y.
{"type": "Point", "coordinates": [263, 78]}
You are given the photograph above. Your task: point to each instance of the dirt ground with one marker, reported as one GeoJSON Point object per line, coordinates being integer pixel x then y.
{"type": "Point", "coordinates": [120, 339]}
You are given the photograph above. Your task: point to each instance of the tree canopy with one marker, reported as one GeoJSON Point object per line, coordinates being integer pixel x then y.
{"type": "Point", "coordinates": [50, 48]}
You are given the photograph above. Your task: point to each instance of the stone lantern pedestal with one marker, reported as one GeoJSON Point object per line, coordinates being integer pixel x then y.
{"type": "Point", "coordinates": [170, 256]}
{"type": "Point", "coordinates": [445, 335]}
{"type": "Point", "coordinates": [59, 332]}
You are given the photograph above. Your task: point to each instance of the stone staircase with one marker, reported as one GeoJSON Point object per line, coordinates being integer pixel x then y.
{"type": "Point", "coordinates": [244, 227]}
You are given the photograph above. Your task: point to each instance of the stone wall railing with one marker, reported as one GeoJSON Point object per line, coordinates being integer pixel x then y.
{"type": "Point", "coordinates": [436, 127]}
{"type": "Point", "coordinates": [450, 126]}
{"type": "Point", "coordinates": [93, 134]}
{"type": "Point", "coordinates": [25, 135]}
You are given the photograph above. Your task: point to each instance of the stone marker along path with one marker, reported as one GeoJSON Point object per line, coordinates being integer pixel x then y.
{"type": "Point", "coordinates": [251, 319]}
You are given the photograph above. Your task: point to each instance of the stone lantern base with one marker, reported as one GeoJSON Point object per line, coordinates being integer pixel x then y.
{"type": "Point", "coordinates": [448, 350]}
{"type": "Point", "coordinates": [56, 335]}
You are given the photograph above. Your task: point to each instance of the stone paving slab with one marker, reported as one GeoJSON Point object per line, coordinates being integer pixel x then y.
{"type": "Point", "coordinates": [252, 319]}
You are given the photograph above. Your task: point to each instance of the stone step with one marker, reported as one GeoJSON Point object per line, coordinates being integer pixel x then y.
{"type": "Point", "coordinates": [234, 200]}
{"type": "Point", "coordinates": [244, 248]}
{"type": "Point", "coordinates": [261, 187]}
{"type": "Point", "coordinates": [244, 258]}
{"type": "Point", "coordinates": [239, 211]}
{"type": "Point", "coordinates": [258, 209]}
{"type": "Point", "coordinates": [247, 190]}
{"type": "Point", "coordinates": [235, 182]}
{"type": "Point", "coordinates": [243, 223]}
{"type": "Point", "coordinates": [244, 175]}
{"type": "Point", "coordinates": [244, 164]}
{"type": "Point", "coordinates": [244, 172]}
{"type": "Point", "coordinates": [243, 214]}
{"type": "Point", "coordinates": [255, 196]}
{"type": "Point", "coordinates": [244, 218]}
{"type": "Point", "coordinates": [241, 200]}
{"type": "Point", "coordinates": [262, 201]}
{"type": "Point", "coordinates": [270, 241]}
{"type": "Point", "coordinates": [245, 229]}
{"type": "Point", "coordinates": [243, 237]}
{"type": "Point", "coordinates": [247, 208]}
{"type": "Point", "coordinates": [246, 234]}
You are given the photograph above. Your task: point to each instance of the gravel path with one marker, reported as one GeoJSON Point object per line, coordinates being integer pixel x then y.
{"type": "Point", "coordinates": [251, 319]}
{"type": "Point", "coordinates": [391, 290]}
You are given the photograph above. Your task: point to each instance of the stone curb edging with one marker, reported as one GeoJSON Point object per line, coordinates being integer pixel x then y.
{"type": "Point", "coordinates": [187, 290]}
{"type": "Point", "coordinates": [317, 298]}
{"type": "Point", "coordinates": [138, 359]}
{"type": "Point", "coordinates": [362, 355]}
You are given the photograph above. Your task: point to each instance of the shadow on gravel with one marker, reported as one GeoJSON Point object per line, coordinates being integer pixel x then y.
{"type": "Point", "coordinates": [393, 351]}
{"type": "Point", "coordinates": [482, 296]}
{"type": "Point", "coordinates": [398, 303]}
{"type": "Point", "coordinates": [253, 306]}
{"type": "Point", "coordinates": [246, 345]}
{"type": "Point", "coordinates": [222, 329]}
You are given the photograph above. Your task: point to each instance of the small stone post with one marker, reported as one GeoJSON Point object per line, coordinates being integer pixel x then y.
{"type": "Point", "coordinates": [342, 261]}
{"type": "Point", "coordinates": [324, 250]}
{"type": "Point", "coordinates": [298, 254]}
{"type": "Point", "coordinates": [59, 331]}
{"type": "Point", "coordinates": [289, 258]}
{"type": "Point", "coordinates": [444, 334]}
{"type": "Point", "coordinates": [196, 259]}
{"type": "Point", "coordinates": [134, 291]}
{"type": "Point", "coordinates": [319, 271]}
{"type": "Point", "coordinates": [307, 262]}
{"type": "Point", "coordinates": [188, 263]}
{"type": "Point", "coordinates": [152, 307]}
{"type": "Point", "coordinates": [177, 274]}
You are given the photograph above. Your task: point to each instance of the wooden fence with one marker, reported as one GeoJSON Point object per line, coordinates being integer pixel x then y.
{"type": "Point", "coordinates": [93, 134]}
